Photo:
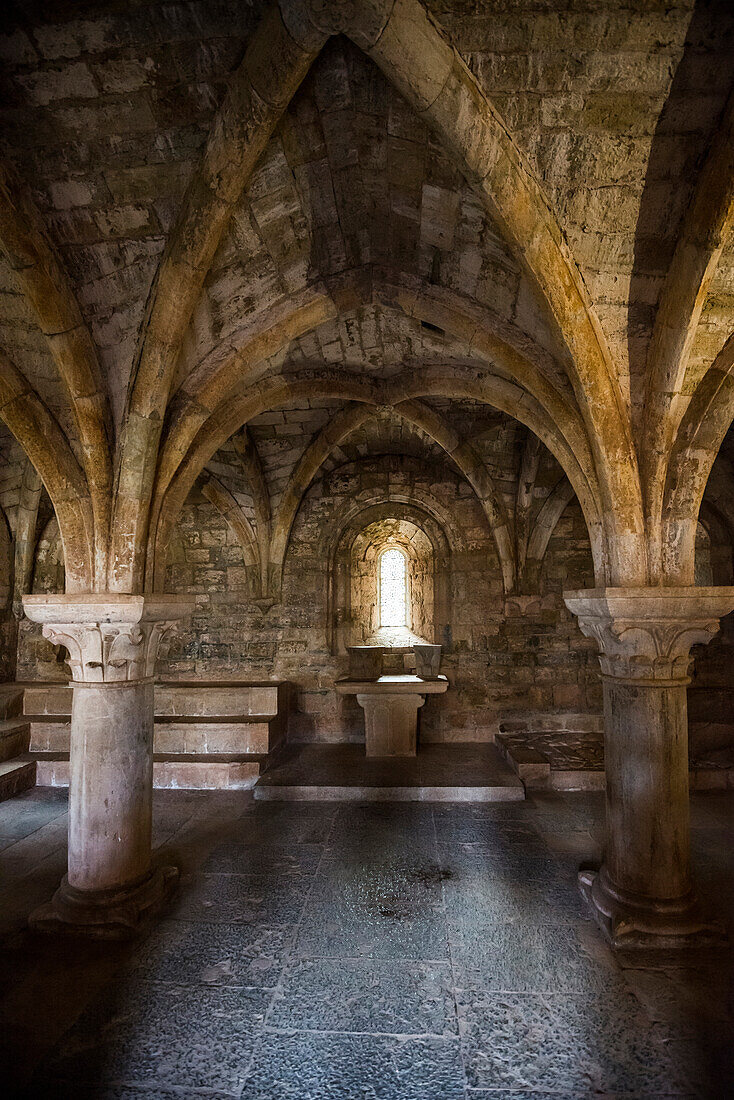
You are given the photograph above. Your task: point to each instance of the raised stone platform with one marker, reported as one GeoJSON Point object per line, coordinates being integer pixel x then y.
{"type": "Point", "coordinates": [438, 773]}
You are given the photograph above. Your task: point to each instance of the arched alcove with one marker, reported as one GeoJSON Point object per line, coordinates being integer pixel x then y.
{"type": "Point", "coordinates": [390, 557]}
{"type": "Point", "coordinates": [354, 578]}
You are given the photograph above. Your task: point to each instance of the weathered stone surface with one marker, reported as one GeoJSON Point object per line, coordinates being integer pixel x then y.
{"type": "Point", "coordinates": [278, 278]}
{"type": "Point", "coordinates": [390, 706]}
{"type": "Point", "coordinates": [643, 893]}
{"type": "Point", "coordinates": [112, 643]}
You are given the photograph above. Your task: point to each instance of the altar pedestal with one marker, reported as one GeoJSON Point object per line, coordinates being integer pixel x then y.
{"type": "Point", "coordinates": [390, 706]}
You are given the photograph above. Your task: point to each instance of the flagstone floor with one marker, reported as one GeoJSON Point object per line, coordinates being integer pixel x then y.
{"type": "Point", "coordinates": [361, 952]}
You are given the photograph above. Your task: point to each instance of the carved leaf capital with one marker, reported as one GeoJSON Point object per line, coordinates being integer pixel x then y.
{"type": "Point", "coordinates": [110, 652]}
{"type": "Point", "coordinates": [646, 635]}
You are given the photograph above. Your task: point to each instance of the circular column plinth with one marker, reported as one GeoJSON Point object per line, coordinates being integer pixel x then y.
{"type": "Point", "coordinates": [640, 922]}
{"type": "Point", "coordinates": [105, 914]}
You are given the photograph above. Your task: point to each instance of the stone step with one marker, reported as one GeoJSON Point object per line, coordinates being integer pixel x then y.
{"type": "Point", "coordinates": [342, 772]}
{"type": "Point", "coordinates": [211, 735]}
{"type": "Point", "coordinates": [185, 771]}
{"type": "Point", "coordinates": [194, 735]}
{"type": "Point", "coordinates": [243, 734]}
{"type": "Point", "coordinates": [15, 776]}
{"type": "Point", "coordinates": [14, 737]}
{"type": "Point", "coordinates": [214, 699]}
{"type": "Point", "coordinates": [532, 767]}
{"type": "Point", "coordinates": [538, 770]}
{"type": "Point", "coordinates": [542, 767]}
{"type": "Point", "coordinates": [11, 701]}
{"type": "Point", "coordinates": [47, 699]}
{"type": "Point", "coordinates": [266, 699]}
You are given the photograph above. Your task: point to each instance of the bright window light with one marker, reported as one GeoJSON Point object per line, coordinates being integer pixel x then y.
{"type": "Point", "coordinates": [393, 603]}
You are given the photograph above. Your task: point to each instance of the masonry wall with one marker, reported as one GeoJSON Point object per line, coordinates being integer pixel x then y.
{"type": "Point", "coordinates": [505, 659]}
{"type": "Point", "coordinates": [512, 662]}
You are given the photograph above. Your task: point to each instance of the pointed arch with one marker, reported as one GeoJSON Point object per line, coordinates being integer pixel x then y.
{"type": "Point", "coordinates": [706, 228]}
{"type": "Point", "coordinates": [527, 474]}
{"type": "Point", "coordinates": [411, 51]}
{"type": "Point", "coordinates": [518, 361]}
{"type": "Point", "coordinates": [478, 476]}
{"type": "Point", "coordinates": [338, 428]}
{"type": "Point", "coordinates": [25, 536]}
{"type": "Point", "coordinates": [47, 448]}
{"type": "Point", "coordinates": [46, 285]}
{"type": "Point", "coordinates": [706, 422]}
{"type": "Point", "coordinates": [223, 423]}
{"type": "Point", "coordinates": [545, 524]}
{"type": "Point", "coordinates": [330, 382]}
{"type": "Point", "coordinates": [432, 76]}
{"type": "Point", "coordinates": [248, 455]}
{"type": "Point", "coordinates": [258, 93]}
{"type": "Point", "coordinates": [225, 503]}
{"type": "Point", "coordinates": [421, 416]}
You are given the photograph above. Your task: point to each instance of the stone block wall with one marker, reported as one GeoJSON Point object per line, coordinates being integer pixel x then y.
{"type": "Point", "coordinates": [505, 658]}
{"type": "Point", "coordinates": [514, 662]}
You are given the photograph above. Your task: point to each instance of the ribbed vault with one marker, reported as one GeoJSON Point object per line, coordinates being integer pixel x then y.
{"type": "Point", "coordinates": [168, 270]}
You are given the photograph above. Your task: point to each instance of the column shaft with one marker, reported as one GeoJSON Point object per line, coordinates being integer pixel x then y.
{"type": "Point", "coordinates": [646, 760]}
{"type": "Point", "coordinates": [112, 641]}
{"type": "Point", "coordinates": [110, 795]}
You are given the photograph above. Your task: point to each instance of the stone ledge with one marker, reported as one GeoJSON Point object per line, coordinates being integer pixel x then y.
{"type": "Point", "coordinates": [564, 761]}
{"type": "Point", "coordinates": [16, 776]}
{"type": "Point", "coordinates": [182, 771]}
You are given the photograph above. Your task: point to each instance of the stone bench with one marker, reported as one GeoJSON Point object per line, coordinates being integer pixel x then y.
{"type": "Point", "coordinates": [207, 735]}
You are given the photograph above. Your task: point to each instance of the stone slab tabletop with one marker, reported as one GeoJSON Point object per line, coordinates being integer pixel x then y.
{"type": "Point", "coordinates": [392, 685]}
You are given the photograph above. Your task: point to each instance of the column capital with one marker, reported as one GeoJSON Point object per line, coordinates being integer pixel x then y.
{"type": "Point", "coordinates": [111, 637]}
{"type": "Point", "coordinates": [645, 634]}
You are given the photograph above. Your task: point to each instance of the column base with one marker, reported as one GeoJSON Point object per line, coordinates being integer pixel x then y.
{"type": "Point", "coordinates": [107, 914]}
{"type": "Point", "coordinates": [644, 923]}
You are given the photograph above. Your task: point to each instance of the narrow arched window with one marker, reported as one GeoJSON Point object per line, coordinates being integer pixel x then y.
{"type": "Point", "coordinates": [393, 588]}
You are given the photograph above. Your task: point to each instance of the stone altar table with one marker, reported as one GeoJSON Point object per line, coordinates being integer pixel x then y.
{"type": "Point", "coordinates": [390, 706]}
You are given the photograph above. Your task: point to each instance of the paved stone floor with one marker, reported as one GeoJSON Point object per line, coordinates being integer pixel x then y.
{"type": "Point", "coordinates": [360, 952]}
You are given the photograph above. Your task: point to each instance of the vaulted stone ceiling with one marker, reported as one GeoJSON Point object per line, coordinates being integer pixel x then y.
{"type": "Point", "coordinates": [211, 220]}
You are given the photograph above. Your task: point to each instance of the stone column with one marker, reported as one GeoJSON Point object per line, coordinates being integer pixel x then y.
{"type": "Point", "coordinates": [113, 643]}
{"type": "Point", "coordinates": [642, 895]}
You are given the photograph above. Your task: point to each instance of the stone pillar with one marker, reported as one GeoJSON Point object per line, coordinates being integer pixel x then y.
{"type": "Point", "coordinates": [642, 895]}
{"type": "Point", "coordinates": [113, 643]}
